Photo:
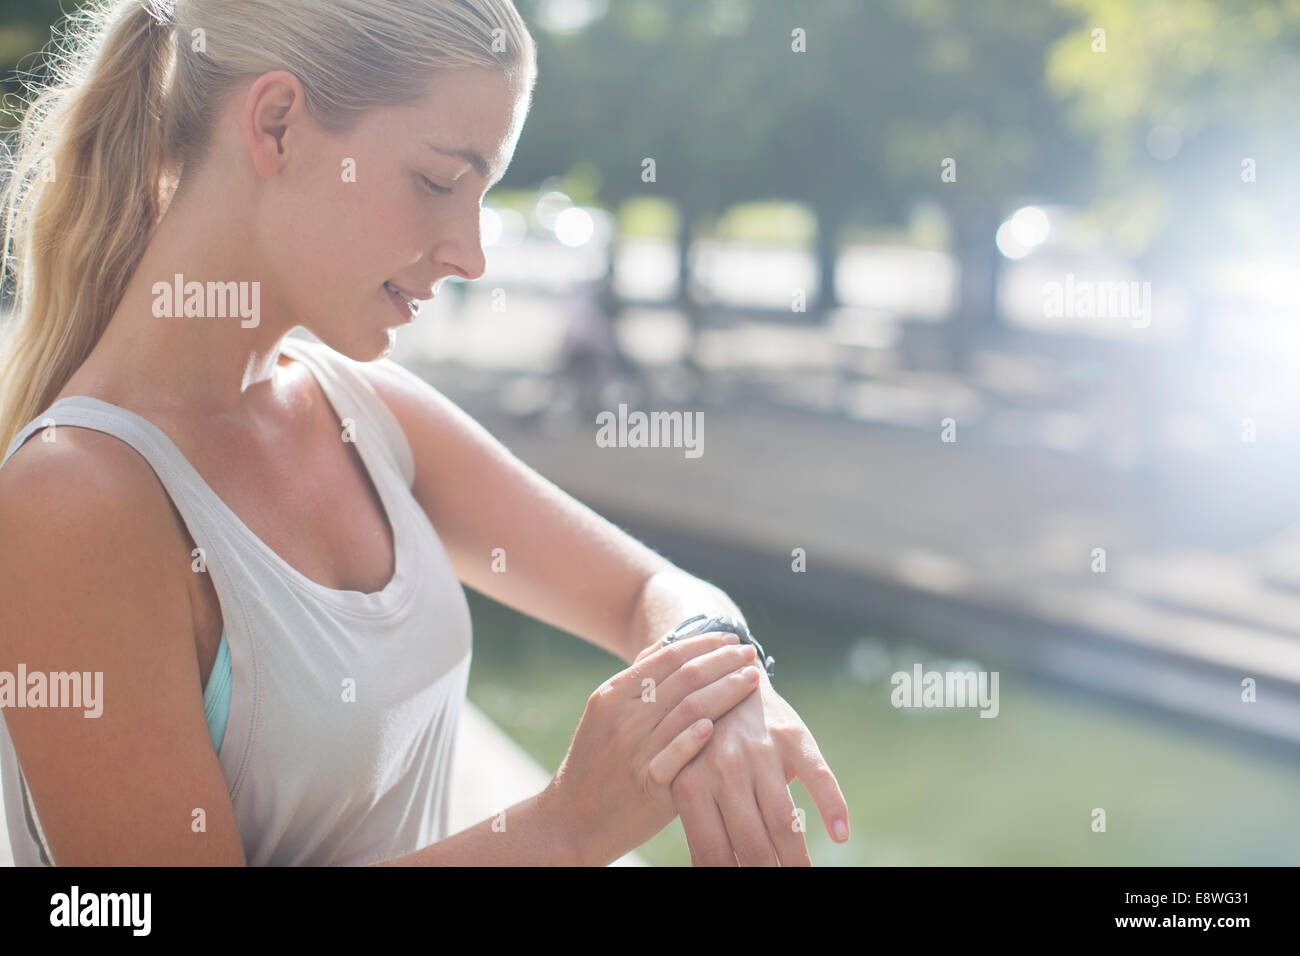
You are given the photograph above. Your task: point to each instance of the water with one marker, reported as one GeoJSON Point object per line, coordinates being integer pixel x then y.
{"type": "Point", "coordinates": [941, 787]}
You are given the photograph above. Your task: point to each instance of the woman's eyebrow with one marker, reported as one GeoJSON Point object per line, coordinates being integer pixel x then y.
{"type": "Point", "coordinates": [473, 157]}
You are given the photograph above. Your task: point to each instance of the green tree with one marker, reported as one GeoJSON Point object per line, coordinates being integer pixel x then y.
{"type": "Point", "coordinates": [856, 126]}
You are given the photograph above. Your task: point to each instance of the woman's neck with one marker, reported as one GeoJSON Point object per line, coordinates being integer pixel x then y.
{"type": "Point", "coordinates": [199, 326]}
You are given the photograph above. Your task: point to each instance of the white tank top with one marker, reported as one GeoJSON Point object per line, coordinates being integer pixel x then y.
{"type": "Point", "coordinates": [343, 705]}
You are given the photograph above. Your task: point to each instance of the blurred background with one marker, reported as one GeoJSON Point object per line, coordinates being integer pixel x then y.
{"type": "Point", "coordinates": [989, 311]}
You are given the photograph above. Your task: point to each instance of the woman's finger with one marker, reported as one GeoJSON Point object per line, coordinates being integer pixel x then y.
{"type": "Point", "coordinates": [666, 660]}
{"type": "Point", "coordinates": [668, 763]}
{"type": "Point", "coordinates": [700, 672]}
{"type": "Point", "coordinates": [810, 767]}
{"type": "Point", "coordinates": [785, 825]}
{"type": "Point", "coordinates": [706, 835]}
{"type": "Point", "coordinates": [746, 828]}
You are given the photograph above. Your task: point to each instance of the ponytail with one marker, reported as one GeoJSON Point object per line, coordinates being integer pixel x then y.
{"type": "Point", "coordinates": [84, 189]}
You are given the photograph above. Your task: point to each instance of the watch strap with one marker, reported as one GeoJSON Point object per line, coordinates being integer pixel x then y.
{"type": "Point", "coordinates": [704, 624]}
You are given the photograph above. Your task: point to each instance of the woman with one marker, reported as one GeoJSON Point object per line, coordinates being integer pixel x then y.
{"type": "Point", "coordinates": [237, 529]}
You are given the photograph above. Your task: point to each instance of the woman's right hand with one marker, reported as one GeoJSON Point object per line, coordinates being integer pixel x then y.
{"type": "Point", "coordinates": [641, 727]}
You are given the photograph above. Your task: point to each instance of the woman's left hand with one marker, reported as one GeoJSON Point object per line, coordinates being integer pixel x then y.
{"type": "Point", "coordinates": [734, 798]}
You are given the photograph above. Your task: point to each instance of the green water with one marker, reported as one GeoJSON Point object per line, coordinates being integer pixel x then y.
{"type": "Point", "coordinates": [940, 786]}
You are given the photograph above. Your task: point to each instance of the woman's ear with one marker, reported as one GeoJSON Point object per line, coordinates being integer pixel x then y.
{"type": "Point", "coordinates": [273, 111]}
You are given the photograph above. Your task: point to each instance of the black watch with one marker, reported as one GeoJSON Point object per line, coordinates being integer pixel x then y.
{"type": "Point", "coordinates": [703, 624]}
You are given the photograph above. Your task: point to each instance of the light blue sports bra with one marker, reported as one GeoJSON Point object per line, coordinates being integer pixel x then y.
{"type": "Point", "coordinates": [216, 696]}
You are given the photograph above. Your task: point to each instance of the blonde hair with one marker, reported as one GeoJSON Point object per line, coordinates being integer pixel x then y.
{"type": "Point", "coordinates": [135, 87]}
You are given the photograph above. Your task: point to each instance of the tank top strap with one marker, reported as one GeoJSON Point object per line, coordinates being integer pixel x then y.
{"type": "Point", "coordinates": [361, 410]}
{"type": "Point", "coordinates": [184, 485]}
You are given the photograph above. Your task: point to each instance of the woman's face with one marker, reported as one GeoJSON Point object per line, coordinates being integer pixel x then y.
{"type": "Point", "coordinates": [392, 202]}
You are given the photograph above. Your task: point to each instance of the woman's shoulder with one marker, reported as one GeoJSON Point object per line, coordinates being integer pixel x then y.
{"type": "Point", "coordinates": [416, 403]}
{"type": "Point", "coordinates": [74, 502]}
{"type": "Point", "coordinates": [64, 466]}
{"type": "Point", "coordinates": [442, 439]}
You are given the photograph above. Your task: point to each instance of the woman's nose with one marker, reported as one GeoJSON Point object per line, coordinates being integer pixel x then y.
{"type": "Point", "coordinates": [464, 251]}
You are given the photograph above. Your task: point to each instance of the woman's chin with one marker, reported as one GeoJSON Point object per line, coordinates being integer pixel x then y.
{"type": "Point", "coordinates": [360, 345]}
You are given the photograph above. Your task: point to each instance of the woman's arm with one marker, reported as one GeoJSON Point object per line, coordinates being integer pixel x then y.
{"type": "Point", "coordinates": [95, 578]}
{"type": "Point", "coordinates": [515, 536]}
{"type": "Point", "coordinates": [573, 569]}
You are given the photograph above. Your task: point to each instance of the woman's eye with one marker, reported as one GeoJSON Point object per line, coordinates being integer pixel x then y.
{"type": "Point", "coordinates": [434, 186]}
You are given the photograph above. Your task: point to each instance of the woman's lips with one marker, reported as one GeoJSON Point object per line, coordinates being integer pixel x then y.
{"type": "Point", "coordinates": [406, 305]}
